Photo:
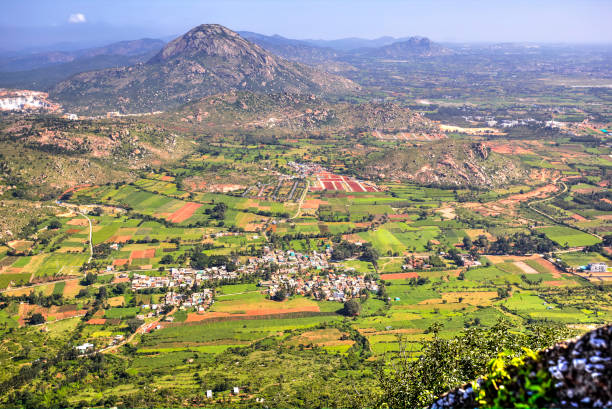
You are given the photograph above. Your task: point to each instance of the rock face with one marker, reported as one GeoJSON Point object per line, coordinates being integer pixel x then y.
{"type": "Point", "coordinates": [580, 370]}
{"type": "Point", "coordinates": [207, 60]}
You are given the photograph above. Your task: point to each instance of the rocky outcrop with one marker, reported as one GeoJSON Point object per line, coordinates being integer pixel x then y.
{"type": "Point", "coordinates": [572, 374]}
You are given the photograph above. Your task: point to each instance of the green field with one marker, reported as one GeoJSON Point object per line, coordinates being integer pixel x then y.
{"type": "Point", "coordinates": [566, 236]}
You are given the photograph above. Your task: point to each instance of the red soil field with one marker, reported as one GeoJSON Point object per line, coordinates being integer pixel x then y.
{"type": "Point", "coordinates": [356, 187]}
{"type": "Point", "coordinates": [149, 253]}
{"type": "Point", "coordinates": [329, 185]}
{"type": "Point", "coordinates": [399, 216]}
{"type": "Point", "coordinates": [398, 276]}
{"type": "Point", "coordinates": [120, 262]}
{"type": "Point", "coordinates": [97, 321]}
{"type": "Point", "coordinates": [184, 212]}
{"type": "Point", "coordinates": [71, 231]}
{"type": "Point", "coordinates": [556, 273]}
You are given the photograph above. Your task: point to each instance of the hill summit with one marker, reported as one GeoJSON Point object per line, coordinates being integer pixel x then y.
{"type": "Point", "coordinates": [207, 60]}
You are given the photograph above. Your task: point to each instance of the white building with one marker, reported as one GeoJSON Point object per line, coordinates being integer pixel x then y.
{"type": "Point", "coordinates": [598, 267]}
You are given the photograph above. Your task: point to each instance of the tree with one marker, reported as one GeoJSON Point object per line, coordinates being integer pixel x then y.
{"type": "Point", "coordinates": [167, 259]}
{"type": "Point", "coordinates": [351, 308]}
{"type": "Point", "coordinates": [280, 295]}
{"type": "Point", "coordinates": [467, 243]}
{"type": "Point", "coordinates": [55, 224]}
{"type": "Point", "coordinates": [96, 211]}
{"type": "Point", "coordinates": [90, 278]}
{"type": "Point", "coordinates": [36, 318]}
{"type": "Point", "coordinates": [134, 323]}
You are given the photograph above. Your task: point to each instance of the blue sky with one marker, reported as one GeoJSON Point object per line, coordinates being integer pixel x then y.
{"type": "Point", "coordinates": [575, 21]}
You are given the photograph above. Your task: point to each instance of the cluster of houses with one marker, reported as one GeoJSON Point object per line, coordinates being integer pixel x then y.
{"type": "Point", "coordinates": [306, 169]}
{"type": "Point", "coordinates": [182, 278]}
{"type": "Point", "coordinates": [288, 262]}
{"type": "Point", "coordinates": [201, 300]}
{"type": "Point", "coordinates": [330, 287]}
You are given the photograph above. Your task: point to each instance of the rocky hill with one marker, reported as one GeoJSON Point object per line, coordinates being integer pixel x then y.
{"type": "Point", "coordinates": [207, 60]}
{"type": "Point", "coordinates": [444, 163]}
{"type": "Point", "coordinates": [292, 114]}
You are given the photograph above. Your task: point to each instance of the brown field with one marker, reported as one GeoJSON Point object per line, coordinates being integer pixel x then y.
{"type": "Point", "coordinates": [72, 288]}
{"type": "Point", "coordinates": [119, 239]}
{"type": "Point", "coordinates": [116, 301]}
{"type": "Point", "coordinates": [579, 218]}
{"type": "Point", "coordinates": [120, 261]}
{"type": "Point", "coordinates": [184, 212]}
{"type": "Point", "coordinates": [313, 203]}
{"type": "Point", "coordinates": [398, 276]}
{"type": "Point", "coordinates": [77, 222]}
{"type": "Point", "coordinates": [556, 273]}
{"type": "Point", "coordinates": [149, 253]}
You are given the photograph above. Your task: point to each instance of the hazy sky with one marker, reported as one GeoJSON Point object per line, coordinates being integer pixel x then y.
{"type": "Point", "coordinates": [575, 21]}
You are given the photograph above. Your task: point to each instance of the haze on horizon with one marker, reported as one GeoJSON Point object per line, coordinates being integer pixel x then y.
{"type": "Point", "coordinates": [38, 23]}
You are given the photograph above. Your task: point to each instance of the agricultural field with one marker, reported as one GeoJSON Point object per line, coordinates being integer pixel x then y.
{"type": "Point", "coordinates": [278, 227]}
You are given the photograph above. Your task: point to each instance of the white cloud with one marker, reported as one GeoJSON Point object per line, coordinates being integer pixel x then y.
{"type": "Point", "coordinates": [77, 18]}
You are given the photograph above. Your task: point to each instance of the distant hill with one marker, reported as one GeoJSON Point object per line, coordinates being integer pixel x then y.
{"type": "Point", "coordinates": [295, 50]}
{"type": "Point", "coordinates": [39, 60]}
{"type": "Point", "coordinates": [353, 43]}
{"type": "Point", "coordinates": [207, 60]}
{"type": "Point", "coordinates": [412, 47]}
